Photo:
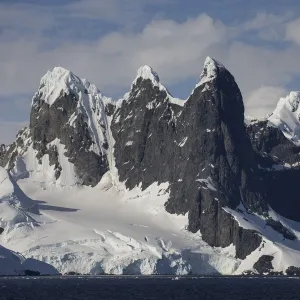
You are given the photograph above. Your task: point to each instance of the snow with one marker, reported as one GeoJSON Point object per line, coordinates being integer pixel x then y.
{"type": "Point", "coordinates": [29, 166]}
{"type": "Point", "coordinates": [104, 230]}
{"type": "Point", "coordinates": [207, 184]}
{"type": "Point", "coordinates": [286, 117]}
{"type": "Point", "coordinates": [249, 120]}
{"type": "Point", "coordinates": [146, 72]}
{"type": "Point", "coordinates": [56, 82]}
{"type": "Point", "coordinates": [182, 143]}
{"type": "Point", "coordinates": [6, 186]}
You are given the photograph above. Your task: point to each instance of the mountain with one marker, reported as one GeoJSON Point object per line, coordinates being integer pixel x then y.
{"type": "Point", "coordinates": [223, 178]}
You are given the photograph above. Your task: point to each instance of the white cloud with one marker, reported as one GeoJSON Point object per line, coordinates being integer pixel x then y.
{"type": "Point", "coordinates": [254, 66]}
{"type": "Point", "coordinates": [293, 31]}
{"type": "Point", "coordinates": [175, 50]}
{"type": "Point", "coordinates": [263, 100]}
{"type": "Point", "coordinates": [116, 11]}
{"type": "Point", "coordinates": [265, 20]}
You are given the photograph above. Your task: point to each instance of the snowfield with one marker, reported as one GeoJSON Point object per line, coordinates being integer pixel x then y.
{"type": "Point", "coordinates": [103, 230]}
{"type": "Point", "coordinates": [107, 230]}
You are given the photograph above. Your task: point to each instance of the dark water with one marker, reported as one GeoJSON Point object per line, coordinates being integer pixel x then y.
{"type": "Point", "coordinates": [133, 288]}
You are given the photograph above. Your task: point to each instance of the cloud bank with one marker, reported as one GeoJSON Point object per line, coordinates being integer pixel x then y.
{"type": "Point", "coordinates": [106, 41]}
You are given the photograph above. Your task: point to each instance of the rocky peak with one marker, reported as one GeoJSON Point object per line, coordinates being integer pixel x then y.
{"type": "Point", "coordinates": [211, 69]}
{"type": "Point", "coordinates": [147, 85]}
{"type": "Point", "coordinates": [60, 81]}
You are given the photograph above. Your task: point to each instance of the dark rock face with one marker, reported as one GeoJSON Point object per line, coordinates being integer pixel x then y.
{"type": "Point", "coordinates": [48, 123]}
{"type": "Point", "coordinates": [271, 146]}
{"type": "Point", "coordinates": [144, 130]}
{"type": "Point", "coordinates": [283, 192]}
{"type": "Point", "coordinates": [201, 149]}
{"type": "Point", "coordinates": [273, 150]}
{"type": "Point", "coordinates": [293, 271]}
{"type": "Point", "coordinates": [264, 264]}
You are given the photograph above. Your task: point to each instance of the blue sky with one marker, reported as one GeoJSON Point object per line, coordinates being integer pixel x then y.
{"type": "Point", "coordinates": [107, 40]}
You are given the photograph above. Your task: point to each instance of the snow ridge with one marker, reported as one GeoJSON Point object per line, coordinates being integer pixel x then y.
{"type": "Point", "coordinates": [286, 117]}
{"type": "Point", "coordinates": [55, 82]}
{"type": "Point", "coordinates": [146, 72]}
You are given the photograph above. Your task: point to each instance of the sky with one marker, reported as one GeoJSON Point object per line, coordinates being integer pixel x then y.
{"type": "Point", "coordinates": [106, 41]}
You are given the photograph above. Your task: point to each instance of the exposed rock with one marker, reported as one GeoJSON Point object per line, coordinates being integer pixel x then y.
{"type": "Point", "coordinates": [280, 169]}
{"type": "Point", "coordinates": [264, 264]}
{"type": "Point", "coordinates": [271, 145]}
{"type": "Point", "coordinates": [293, 271]}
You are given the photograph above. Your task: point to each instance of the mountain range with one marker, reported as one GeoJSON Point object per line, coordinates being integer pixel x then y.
{"type": "Point", "coordinates": [152, 184]}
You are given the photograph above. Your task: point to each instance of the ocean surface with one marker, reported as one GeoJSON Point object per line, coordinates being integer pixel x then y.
{"type": "Point", "coordinates": [131, 288]}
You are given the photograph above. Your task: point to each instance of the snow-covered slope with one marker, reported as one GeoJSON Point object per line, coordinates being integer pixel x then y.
{"type": "Point", "coordinates": [113, 232]}
{"type": "Point", "coordinates": [286, 117]}
{"type": "Point", "coordinates": [17, 214]}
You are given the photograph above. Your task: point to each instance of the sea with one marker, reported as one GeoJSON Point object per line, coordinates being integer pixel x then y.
{"type": "Point", "coordinates": [150, 287]}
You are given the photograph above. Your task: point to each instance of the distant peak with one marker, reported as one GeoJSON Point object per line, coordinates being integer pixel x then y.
{"type": "Point", "coordinates": [146, 72]}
